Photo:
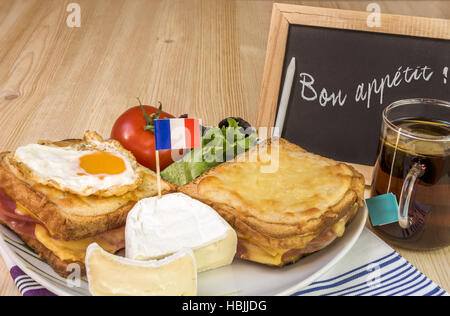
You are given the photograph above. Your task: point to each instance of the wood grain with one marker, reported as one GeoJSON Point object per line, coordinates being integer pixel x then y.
{"type": "Point", "coordinates": [205, 58]}
{"type": "Point", "coordinates": [7, 286]}
{"type": "Point", "coordinates": [357, 20]}
{"type": "Point", "coordinates": [273, 68]}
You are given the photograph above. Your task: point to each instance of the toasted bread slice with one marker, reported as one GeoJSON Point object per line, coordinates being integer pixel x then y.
{"type": "Point", "coordinates": [58, 265]}
{"type": "Point", "coordinates": [249, 250]}
{"type": "Point", "coordinates": [279, 198]}
{"type": "Point", "coordinates": [61, 267]}
{"type": "Point", "coordinates": [69, 216]}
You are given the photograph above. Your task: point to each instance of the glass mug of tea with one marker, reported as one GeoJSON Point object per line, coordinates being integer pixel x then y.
{"type": "Point", "coordinates": [414, 164]}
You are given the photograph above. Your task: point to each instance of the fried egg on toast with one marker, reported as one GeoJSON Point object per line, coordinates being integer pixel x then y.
{"type": "Point", "coordinates": [91, 167]}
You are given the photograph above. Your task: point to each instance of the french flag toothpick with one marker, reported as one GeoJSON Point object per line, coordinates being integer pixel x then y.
{"type": "Point", "coordinates": [176, 133]}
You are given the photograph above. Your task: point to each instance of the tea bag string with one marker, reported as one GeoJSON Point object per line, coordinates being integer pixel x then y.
{"type": "Point", "coordinates": [393, 159]}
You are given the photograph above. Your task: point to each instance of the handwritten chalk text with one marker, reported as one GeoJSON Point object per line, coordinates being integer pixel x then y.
{"type": "Point", "coordinates": [366, 92]}
{"type": "Point", "coordinates": [309, 93]}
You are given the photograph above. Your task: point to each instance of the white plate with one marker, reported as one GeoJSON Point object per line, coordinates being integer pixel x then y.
{"type": "Point", "coordinates": [240, 278]}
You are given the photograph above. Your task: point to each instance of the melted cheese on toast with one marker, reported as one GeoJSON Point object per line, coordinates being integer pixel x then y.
{"type": "Point", "coordinates": [304, 185]}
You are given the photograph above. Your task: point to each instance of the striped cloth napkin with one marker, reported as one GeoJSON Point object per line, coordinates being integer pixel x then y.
{"type": "Point", "coordinates": [26, 285]}
{"type": "Point", "coordinates": [370, 268]}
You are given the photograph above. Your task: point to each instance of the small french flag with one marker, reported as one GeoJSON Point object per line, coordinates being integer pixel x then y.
{"type": "Point", "coordinates": [178, 133]}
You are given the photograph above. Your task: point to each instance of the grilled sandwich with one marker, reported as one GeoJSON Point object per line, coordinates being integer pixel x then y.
{"type": "Point", "coordinates": [283, 201]}
{"type": "Point", "coordinates": [60, 197]}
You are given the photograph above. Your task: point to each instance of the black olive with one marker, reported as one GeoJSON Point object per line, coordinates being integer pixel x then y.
{"type": "Point", "coordinates": [246, 128]}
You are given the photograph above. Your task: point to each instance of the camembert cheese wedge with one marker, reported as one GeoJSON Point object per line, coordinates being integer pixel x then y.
{"type": "Point", "coordinates": [111, 275]}
{"type": "Point", "coordinates": [157, 228]}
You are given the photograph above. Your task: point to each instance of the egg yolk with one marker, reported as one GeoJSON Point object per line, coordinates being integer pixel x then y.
{"type": "Point", "coordinates": [102, 163]}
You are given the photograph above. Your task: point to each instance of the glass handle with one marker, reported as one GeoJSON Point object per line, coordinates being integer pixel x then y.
{"type": "Point", "coordinates": [416, 171]}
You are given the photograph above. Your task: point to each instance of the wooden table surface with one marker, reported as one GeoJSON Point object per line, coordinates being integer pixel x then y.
{"type": "Point", "coordinates": [204, 58]}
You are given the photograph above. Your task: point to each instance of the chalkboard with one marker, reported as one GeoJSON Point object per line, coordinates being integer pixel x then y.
{"type": "Point", "coordinates": [344, 79]}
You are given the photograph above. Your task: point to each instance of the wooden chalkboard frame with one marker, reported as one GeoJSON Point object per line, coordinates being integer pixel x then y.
{"type": "Point", "coordinates": [283, 15]}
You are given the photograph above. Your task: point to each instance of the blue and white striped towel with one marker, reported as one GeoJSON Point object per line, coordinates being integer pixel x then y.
{"type": "Point", "coordinates": [372, 268]}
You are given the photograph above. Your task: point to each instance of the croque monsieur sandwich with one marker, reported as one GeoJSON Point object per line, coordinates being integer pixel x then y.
{"type": "Point", "coordinates": [60, 197]}
{"type": "Point", "coordinates": [282, 212]}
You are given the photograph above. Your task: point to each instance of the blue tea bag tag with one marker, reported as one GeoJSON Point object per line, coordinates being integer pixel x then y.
{"type": "Point", "coordinates": [383, 209]}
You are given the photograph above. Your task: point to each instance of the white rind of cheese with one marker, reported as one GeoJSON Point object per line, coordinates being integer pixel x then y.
{"type": "Point", "coordinates": [157, 228]}
{"type": "Point", "coordinates": [111, 275]}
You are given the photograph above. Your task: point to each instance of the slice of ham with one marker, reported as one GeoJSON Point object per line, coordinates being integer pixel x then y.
{"type": "Point", "coordinates": [9, 208]}
{"type": "Point", "coordinates": [115, 237]}
{"type": "Point", "coordinates": [21, 224]}
{"type": "Point", "coordinates": [25, 224]}
{"type": "Point", "coordinates": [321, 241]}
{"type": "Point", "coordinates": [6, 203]}
{"type": "Point", "coordinates": [21, 228]}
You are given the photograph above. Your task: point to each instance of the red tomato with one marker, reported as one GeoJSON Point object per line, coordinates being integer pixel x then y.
{"type": "Point", "coordinates": [129, 131]}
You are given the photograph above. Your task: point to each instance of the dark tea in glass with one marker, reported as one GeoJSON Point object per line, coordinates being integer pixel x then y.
{"type": "Point", "coordinates": [414, 164]}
